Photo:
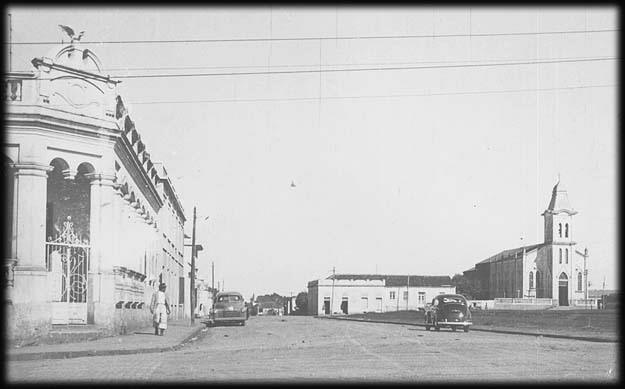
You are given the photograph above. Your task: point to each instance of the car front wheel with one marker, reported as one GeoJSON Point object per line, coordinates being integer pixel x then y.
{"type": "Point", "coordinates": [466, 328]}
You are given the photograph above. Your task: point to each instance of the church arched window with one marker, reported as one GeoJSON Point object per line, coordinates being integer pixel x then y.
{"type": "Point", "coordinates": [566, 255]}
{"type": "Point", "coordinates": [560, 256]}
{"type": "Point", "coordinates": [531, 280]}
{"type": "Point", "coordinates": [579, 281]}
{"type": "Point", "coordinates": [566, 230]}
{"type": "Point", "coordinates": [560, 230]}
{"type": "Point", "coordinates": [538, 284]}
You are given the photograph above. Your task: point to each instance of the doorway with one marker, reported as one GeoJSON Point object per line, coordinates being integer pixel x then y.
{"type": "Point", "coordinates": [344, 303]}
{"type": "Point", "coordinates": [563, 290]}
{"type": "Point", "coordinates": [326, 306]}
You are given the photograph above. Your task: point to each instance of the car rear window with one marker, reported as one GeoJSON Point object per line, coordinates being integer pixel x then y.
{"type": "Point", "coordinates": [229, 298]}
{"type": "Point", "coordinates": [454, 300]}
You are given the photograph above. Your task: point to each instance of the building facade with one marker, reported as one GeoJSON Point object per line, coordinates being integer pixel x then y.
{"type": "Point", "coordinates": [361, 293]}
{"type": "Point", "coordinates": [89, 232]}
{"type": "Point", "coordinates": [553, 270]}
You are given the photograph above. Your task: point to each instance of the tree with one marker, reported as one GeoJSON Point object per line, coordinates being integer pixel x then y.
{"type": "Point", "coordinates": [301, 302]}
{"type": "Point", "coordinates": [465, 287]}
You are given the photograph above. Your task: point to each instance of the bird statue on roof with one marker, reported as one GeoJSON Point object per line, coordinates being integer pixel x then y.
{"type": "Point", "coordinates": [292, 184]}
{"type": "Point", "coordinates": [70, 32]}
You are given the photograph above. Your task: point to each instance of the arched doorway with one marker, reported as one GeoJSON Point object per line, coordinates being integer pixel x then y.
{"type": "Point", "coordinates": [67, 243]}
{"type": "Point", "coordinates": [563, 290]}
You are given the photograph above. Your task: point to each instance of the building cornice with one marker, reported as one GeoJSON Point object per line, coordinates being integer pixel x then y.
{"type": "Point", "coordinates": [40, 121]}
{"type": "Point", "coordinates": [557, 211]}
{"type": "Point", "coordinates": [135, 169]}
{"type": "Point", "coordinates": [37, 62]}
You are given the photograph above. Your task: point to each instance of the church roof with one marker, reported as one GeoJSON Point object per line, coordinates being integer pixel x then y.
{"type": "Point", "coordinates": [398, 280]}
{"type": "Point", "coordinates": [511, 253]}
{"type": "Point", "coordinates": [559, 201]}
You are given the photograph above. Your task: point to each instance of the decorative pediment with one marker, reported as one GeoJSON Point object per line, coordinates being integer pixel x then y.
{"type": "Point", "coordinates": [71, 80]}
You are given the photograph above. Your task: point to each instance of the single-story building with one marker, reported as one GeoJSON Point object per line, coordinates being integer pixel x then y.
{"type": "Point", "coordinates": [360, 293]}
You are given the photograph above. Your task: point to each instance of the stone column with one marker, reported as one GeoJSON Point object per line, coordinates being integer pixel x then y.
{"type": "Point", "coordinates": [30, 309]}
{"type": "Point", "coordinates": [31, 188]}
{"type": "Point", "coordinates": [101, 287]}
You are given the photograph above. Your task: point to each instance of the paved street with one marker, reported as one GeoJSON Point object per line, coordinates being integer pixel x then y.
{"type": "Point", "coordinates": [309, 349]}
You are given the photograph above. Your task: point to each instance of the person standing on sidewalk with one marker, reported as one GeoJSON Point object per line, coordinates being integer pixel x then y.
{"type": "Point", "coordinates": [159, 307]}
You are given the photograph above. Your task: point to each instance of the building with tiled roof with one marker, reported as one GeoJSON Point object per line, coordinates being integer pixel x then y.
{"type": "Point", "coordinates": [550, 270]}
{"type": "Point", "coordinates": [360, 293]}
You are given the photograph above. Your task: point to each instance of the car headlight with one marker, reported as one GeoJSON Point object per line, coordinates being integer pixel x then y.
{"type": "Point", "coordinates": [461, 315]}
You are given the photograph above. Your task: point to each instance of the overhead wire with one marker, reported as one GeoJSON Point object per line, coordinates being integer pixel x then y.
{"type": "Point", "coordinates": [326, 65]}
{"type": "Point", "coordinates": [333, 38]}
{"type": "Point", "coordinates": [316, 98]}
{"type": "Point", "coordinates": [393, 68]}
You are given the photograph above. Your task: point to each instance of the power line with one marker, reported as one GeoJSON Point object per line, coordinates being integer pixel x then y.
{"type": "Point", "coordinates": [326, 65]}
{"type": "Point", "coordinates": [475, 65]}
{"type": "Point", "coordinates": [316, 98]}
{"type": "Point", "coordinates": [321, 38]}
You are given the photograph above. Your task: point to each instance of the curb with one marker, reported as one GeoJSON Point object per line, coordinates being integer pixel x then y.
{"type": "Point", "coordinates": [509, 332]}
{"type": "Point", "coordinates": [197, 333]}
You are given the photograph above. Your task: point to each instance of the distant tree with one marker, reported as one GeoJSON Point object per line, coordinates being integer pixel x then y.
{"type": "Point", "coordinates": [465, 287]}
{"type": "Point", "coordinates": [301, 302]}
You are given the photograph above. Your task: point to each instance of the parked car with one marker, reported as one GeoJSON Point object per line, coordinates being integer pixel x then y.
{"type": "Point", "coordinates": [229, 308]}
{"type": "Point", "coordinates": [448, 310]}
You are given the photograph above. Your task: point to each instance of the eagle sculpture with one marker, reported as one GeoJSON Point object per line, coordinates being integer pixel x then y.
{"type": "Point", "coordinates": [70, 32]}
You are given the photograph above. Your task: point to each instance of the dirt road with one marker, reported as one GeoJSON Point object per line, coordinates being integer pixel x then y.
{"type": "Point", "coordinates": [312, 350]}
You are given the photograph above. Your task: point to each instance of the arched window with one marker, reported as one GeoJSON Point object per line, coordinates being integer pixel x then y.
{"type": "Point", "coordinates": [531, 280]}
{"type": "Point", "coordinates": [566, 255]}
{"type": "Point", "coordinates": [560, 256]}
{"type": "Point", "coordinates": [560, 230]}
{"type": "Point", "coordinates": [566, 230]}
{"type": "Point", "coordinates": [538, 284]}
{"type": "Point", "coordinates": [579, 281]}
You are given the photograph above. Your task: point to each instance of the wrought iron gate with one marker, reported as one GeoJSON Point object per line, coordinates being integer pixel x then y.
{"type": "Point", "coordinates": [67, 258]}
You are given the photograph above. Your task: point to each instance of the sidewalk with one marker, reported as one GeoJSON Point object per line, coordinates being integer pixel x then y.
{"type": "Point", "coordinates": [502, 330]}
{"type": "Point", "coordinates": [176, 336]}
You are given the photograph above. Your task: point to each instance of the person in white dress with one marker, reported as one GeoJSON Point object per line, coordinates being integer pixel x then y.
{"type": "Point", "coordinates": [159, 307]}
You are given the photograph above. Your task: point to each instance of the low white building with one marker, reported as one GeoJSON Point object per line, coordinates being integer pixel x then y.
{"type": "Point", "coordinates": [360, 293]}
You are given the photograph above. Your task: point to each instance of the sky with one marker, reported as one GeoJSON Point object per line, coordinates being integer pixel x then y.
{"type": "Point", "coordinates": [425, 168]}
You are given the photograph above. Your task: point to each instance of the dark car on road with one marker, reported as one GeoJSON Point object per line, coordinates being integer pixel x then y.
{"type": "Point", "coordinates": [229, 308]}
{"type": "Point", "coordinates": [448, 310]}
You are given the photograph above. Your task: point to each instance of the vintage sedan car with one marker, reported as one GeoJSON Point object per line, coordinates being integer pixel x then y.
{"type": "Point", "coordinates": [229, 308]}
{"type": "Point", "coordinates": [448, 310]}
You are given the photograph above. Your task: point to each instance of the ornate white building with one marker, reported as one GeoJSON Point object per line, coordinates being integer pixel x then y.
{"type": "Point", "coordinates": [92, 223]}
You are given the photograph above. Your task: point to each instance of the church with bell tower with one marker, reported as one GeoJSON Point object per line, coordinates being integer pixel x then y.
{"type": "Point", "coordinates": [552, 272]}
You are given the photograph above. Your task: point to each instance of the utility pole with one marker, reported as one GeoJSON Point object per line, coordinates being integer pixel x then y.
{"type": "Point", "coordinates": [10, 41]}
{"type": "Point", "coordinates": [332, 301]}
{"type": "Point", "coordinates": [603, 299]}
{"type": "Point", "coordinates": [192, 283]}
{"type": "Point", "coordinates": [585, 275]}
{"type": "Point", "coordinates": [407, 292]}
{"type": "Point", "coordinates": [213, 280]}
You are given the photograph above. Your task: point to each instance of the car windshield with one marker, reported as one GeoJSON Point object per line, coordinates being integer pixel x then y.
{"type": "Point", "coordinates": [454, 300]}
{"type": "Point", "coordinates": [228, 298]}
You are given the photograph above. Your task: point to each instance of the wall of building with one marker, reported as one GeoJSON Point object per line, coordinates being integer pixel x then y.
{"type": "Point", "coordinates": [88, 137]}
{"type": "Point", "coordinates": [370, 296]}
